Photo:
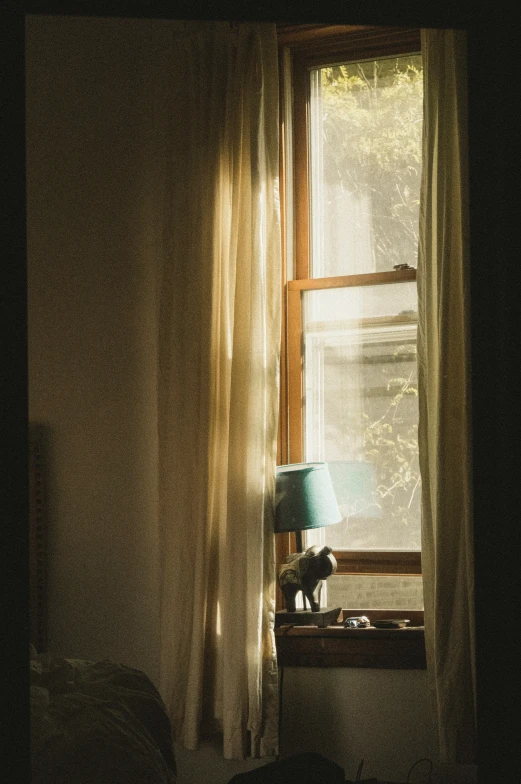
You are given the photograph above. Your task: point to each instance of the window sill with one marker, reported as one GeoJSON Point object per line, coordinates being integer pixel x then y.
{"type": "Point", "coordinates": [335, 646]}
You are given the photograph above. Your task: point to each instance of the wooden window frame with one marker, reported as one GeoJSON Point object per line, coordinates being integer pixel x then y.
{"type": "Point", "coordinates": [314, 46]}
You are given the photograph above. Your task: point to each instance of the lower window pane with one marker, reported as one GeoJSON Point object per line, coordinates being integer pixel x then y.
{"type": "Point", "coordinates": [361, 410]}
{"type": "Point", "coordinates": [374, 592]}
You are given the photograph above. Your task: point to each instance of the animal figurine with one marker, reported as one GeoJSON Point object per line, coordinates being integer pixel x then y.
{"type": "Point", "coordinates": [305, 572]}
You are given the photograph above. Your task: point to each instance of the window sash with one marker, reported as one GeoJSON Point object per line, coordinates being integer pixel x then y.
{"type": "Point", "coordinates": [306, 55]}
{"type": "Point", "coordinates": [382, 562]}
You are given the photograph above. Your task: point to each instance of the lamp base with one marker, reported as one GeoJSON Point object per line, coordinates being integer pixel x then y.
{"type": "Point", "coordinates": [321, 618]}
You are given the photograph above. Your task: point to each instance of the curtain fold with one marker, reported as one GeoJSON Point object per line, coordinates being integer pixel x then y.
{"type": "Point", "coordinates": [219, 338]}
{"type": "Point", "coordinates": [444, 395]}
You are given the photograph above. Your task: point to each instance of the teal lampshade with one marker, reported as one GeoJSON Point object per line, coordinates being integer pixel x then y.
{"type": "Point", "coordinates": [304, 497]}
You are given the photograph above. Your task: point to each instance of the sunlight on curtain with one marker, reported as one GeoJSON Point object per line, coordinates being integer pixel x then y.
{"type": "Point", "coordinates": [444, 396]}
{"type": "Point", "coordinates": [219, 336]}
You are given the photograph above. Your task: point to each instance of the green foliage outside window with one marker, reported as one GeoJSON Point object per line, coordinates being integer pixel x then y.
{"type": "Point", "coordinates": [372, 114]}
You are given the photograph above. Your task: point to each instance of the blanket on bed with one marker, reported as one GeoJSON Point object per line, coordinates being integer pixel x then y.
{"type": "Point", "coordinates": [97, 723]}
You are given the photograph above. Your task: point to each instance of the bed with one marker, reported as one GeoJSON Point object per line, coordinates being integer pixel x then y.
{"type": "Point", "coordinates": [97, 722]}
{"type": "Point", "coordinates": [92, 722]}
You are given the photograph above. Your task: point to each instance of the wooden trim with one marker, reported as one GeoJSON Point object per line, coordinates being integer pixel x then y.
{"type": "Point", "coordinates": [294, 357]}
{"type": "Point", "coordinates": [301, 168]}
{"type": "Point", "coordinates": [373, 562]}
{"type": "Point", "coordinates": [349, 281]}
{"type": "Point", "coordinates": [340, 632]}
{"type": "Point", "coordinates": [416, 617]}
{"type": "Point", "coordinates": [299, 34]}
{"type": "Point", "coordinates": [344, 43]}
{"type": "Point", "coordinates": [282, 443]}
{"type": "Point", "coordinates": [308, 646]}
{"type": "Point", "coordinates": [366, 45]}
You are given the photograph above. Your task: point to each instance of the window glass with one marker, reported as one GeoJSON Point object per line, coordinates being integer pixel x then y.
{"type": "Point", "coordinates": [374, 591]}
{"type": "Point", "coordinates": [365, 164]}
{"type": "Point", "coordinates": [361, 410]}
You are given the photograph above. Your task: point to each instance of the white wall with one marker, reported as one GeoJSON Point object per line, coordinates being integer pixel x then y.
{"type": "Point", "coordinates": [92, 284]}
{"type": "Point", "coordinates": [94, 221]}
{"type": "Point", "coordinates": [379, 716]}
{"type": "Point", "coordinates": [348, 715]}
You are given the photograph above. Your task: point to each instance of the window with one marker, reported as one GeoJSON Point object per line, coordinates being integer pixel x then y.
{"type": "Point", "coordinates": [352, 138]}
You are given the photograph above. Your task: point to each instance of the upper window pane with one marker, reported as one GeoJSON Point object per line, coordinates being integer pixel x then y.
{"type": "Point", "coordinates": [365, 165]}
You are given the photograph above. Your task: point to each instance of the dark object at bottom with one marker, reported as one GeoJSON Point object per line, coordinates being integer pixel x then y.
{"type": "Point", "coordinates": [366, 781]}
{"type": "Point", "coordinates": [322, 618]}
{"type": "Point", "coordinates": [300, 769]}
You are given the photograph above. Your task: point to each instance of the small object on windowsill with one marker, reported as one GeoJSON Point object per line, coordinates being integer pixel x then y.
{"type": "Point", "coordinates": [403, 267]}
{"type": "Point", "coordinates": [391, 623]}
{"type": "Point", "coordinates": [357, 622]}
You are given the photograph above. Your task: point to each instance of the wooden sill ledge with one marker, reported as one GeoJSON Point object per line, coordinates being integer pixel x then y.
{"type": "Point", "coordinates": [335, 646]}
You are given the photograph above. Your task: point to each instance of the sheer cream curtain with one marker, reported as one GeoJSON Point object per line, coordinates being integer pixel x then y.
{"type": "Point", "coordinates": [219, 337]}
{"type": "Point", "coordinates": [444, 389]}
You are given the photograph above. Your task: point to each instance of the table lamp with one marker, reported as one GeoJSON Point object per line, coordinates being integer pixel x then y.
{"type": "Point", "coordinates": [305, 499]}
